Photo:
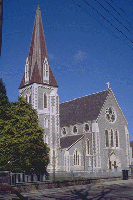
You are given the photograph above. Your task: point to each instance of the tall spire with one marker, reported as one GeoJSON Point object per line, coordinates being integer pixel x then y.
{"type": "Point", "coordinates": [37, 55]}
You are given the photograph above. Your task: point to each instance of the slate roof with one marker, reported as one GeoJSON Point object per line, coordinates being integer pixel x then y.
{"type": "Point", "coordinates": [82, 109]}
{"type": "Point", "coordinates": [37, 54]}
{"type": "Point", "coordinates": [67, 141]}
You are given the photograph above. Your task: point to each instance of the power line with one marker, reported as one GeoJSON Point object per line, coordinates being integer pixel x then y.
{"type": "Point", "coordinates": [102, 24]}
{"type": "Point", "coordinates": [118, 12]}
{"type": "Point", "coordinates": [114, 17]}
{"type": "Point", "coordinates": [107, 20]}
{"type": "Point", "coordinates": [122, 10]}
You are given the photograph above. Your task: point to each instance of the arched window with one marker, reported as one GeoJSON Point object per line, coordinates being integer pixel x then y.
{"type": "Point", "coordinates": [64, 131]}
{"type": "Point", "coordinates": [30, 98]}
{"type": "Point", "coordinates": [112, 142]}
{"type": "Point", "coordinates": [45, 70]}
{"type": "Point", "coordinates": [87, 146]}
{"type": "Point", "coordinates": [27, 70]}
{"type": "Point", "coordinates": [76, 157]}
{"type": "Point", "coordinates": [45, 100]}
{"type": "Point", "coordinates": [86, 127]}
{"type": "Point", "coordinates": [116, 138]}
{"type": "Point", "coordinates": [74, 129]}
{"type": "Point", "coordinates": [106, 138]}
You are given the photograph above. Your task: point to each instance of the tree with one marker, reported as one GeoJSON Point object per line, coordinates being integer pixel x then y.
{"type": "Point", "coordinates": [22, 146]}
{"type": "Point", "coordinates": [4, 106]}
{"type": "Point", "coordinates": [4, 102]}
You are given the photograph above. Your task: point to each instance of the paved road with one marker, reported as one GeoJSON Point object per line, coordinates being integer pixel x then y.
{"type": "Point", "coordinates": [120, 189]}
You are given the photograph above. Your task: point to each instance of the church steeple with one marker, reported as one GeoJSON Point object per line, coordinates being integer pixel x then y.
{"type": "Point", "coordinates": [37, 68]}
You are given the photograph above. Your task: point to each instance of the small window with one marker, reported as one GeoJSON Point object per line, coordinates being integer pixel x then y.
{"type": "Point", "coordinates": [45, 100]}
{"type": "Point", "coordinates": [86, 127]}
{"type": "Point", "coordinates": [74, 129]}
{"type": "Point", "coordinates": [27, 70]}
{"type": "Point", "coordinates": [76, 157]}
{"type": "Point", "coordinates": [64, 131]}
{"type": "Point", "coordinates": [112, 143]}
{"type": "Point", "coordinates": [88, 146]}
{"type": "Point", "coordinates": [106, 138]}
{"type": "Point", "coordinates": [45, 70]}
{"type": "Point", "coordinates": [116, 138]}
{"type": "Point", "coordinates": [30, 98]}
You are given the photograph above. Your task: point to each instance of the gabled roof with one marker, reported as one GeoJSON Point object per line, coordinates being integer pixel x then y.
{"type": "Point", "coordinates": [37, 54]}
{"type": "Point", "coordinates": [68, 141]}
{"type": "Point", "coordinates": [82, 109]}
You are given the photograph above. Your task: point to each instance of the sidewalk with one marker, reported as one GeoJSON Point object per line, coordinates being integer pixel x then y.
{"type": "Point", "coordinates": [73, 192]}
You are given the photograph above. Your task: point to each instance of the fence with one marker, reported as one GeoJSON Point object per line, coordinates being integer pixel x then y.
{"type": "Point", "coordinates": [23, 178]}
{"type": "Point", "coordinates": [63, 175]}
{"type": "Point", "coordinates": [88, 175]}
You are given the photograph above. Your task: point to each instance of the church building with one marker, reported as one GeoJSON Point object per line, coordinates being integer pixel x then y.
{"type": "Point", "coordinates": [85, 134]}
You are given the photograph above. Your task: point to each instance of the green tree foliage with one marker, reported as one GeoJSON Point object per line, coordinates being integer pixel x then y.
{"type": "Point", "coordinates": [22, 147]}
{"type": "Point", "coordinates": [4, 102]}
{"type": "Point", "coordinates": [4, 106]}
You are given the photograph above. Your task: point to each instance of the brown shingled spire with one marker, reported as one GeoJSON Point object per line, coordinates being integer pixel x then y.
{"type": "Point", "coordinates": [37, 54]}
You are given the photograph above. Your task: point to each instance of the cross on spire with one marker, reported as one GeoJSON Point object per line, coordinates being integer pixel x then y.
{"type": "Point", "coordinates": [108, 84]}
{"type": "Point", "coordinates": [38, 5]}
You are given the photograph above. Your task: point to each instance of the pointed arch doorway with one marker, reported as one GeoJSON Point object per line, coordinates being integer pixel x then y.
{"type": "Point", "coordinates": [114, 161]}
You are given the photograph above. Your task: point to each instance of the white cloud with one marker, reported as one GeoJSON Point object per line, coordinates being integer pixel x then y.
{"type": "Point", "coordinates": [51, 56]}
{"type": "Point", "coordinates": [80, 55]}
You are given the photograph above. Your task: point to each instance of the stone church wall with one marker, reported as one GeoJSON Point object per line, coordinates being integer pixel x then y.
{"type": "Point", "coordinates": [119, 124]}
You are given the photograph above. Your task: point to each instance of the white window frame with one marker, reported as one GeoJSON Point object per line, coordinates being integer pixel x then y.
{"type": "Point", "coordinates": [76, 158]}
{"type": "Point", "coordinates": [45, 70]}
{"type": "Point", "coordinates": [29, 98]}
{"type": "Point", "coordinates": [117, 137]}
{"type": "Point", "coordinates": [108, 138]}
{"type": "Point", "coordinates": [111, 135]}
{"type": "Point", "coordinates": [87, 147]}
{"type": "Point", "coordinates": [65, 130]}
{"type": "Point", "coordinates": [46, 100]}
{"type": "Point", "coordinates": [88, 126]}
{"type": "Point", "coordinates": [27, 70]}
{"type": "Point", "coordinates": [73, 128]}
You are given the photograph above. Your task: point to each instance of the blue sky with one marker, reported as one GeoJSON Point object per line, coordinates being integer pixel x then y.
{"type": "Point", "coordinates": [83, 54]}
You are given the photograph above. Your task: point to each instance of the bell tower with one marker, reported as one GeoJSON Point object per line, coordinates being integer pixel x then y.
{"type": "Point", "coordinates": [39, 87]}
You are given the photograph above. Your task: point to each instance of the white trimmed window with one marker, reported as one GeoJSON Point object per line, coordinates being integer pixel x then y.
{"type": "Point", "coordinates": [45, 70]}
{"type": "Point", "coordinates": [64, 131]}
{"type": "Point", "coordinates": [75, 130]}
{"type": "Point", "coordinates": [112, 138]}
{"type": "Point", "coordinates": [116, 138]}
{"type": "Point", "coordinates": [44, 100]}
{"type": "Point", "coordinates": [87, 146]}
{"type": "Point", "coordinates": [27, 70]}
{"type": "Point", "coordinates": [30, 100]}
{"type": "Point", "coordinates": [76, 157]}
{"type": "Point", "coordinates": [106, 138]}
{"type": "Point", "coordinates": [86, 128]}
{"type": "Point", "coordinates": [46, 138]}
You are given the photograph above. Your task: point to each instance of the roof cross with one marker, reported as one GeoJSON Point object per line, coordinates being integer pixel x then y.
{"type": "Point", "coordinates": [108, 84]}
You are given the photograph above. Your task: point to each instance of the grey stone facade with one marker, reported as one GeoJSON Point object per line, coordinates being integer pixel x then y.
{"type": "Point", "coordinates": [99, 155]}
{"type": "Point", "coordinates": [86, 134]}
